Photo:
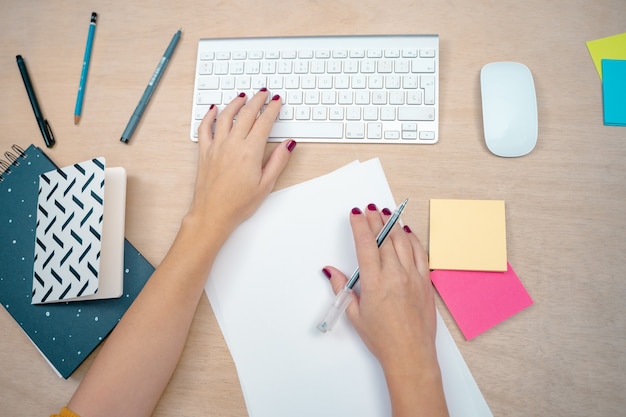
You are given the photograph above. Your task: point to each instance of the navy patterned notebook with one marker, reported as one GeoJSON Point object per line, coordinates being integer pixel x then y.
{"type": "Point", "coordinates": [65, 333]}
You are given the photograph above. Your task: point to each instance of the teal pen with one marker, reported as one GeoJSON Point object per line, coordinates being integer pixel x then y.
{"type": "Point", "coordinates": [83, 75]}
{"type": "Point", "coordinates": [154, 80]}
{"type": "Point", "coordinates": [344, 296]}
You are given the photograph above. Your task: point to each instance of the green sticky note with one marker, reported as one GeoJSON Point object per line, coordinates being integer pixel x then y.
{"type": "Point", "coordinates": [612, 47]}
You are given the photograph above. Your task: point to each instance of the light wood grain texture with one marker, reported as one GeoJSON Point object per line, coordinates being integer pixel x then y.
{"type": "Point", "coordinates": [566, 222]}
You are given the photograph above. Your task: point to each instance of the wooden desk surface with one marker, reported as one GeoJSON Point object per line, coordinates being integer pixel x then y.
{"type": "Point", "coordinates": [566, 223]}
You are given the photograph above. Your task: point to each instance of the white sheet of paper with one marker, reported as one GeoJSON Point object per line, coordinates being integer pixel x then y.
{"type": "Point", "coordinates": [268, 294]}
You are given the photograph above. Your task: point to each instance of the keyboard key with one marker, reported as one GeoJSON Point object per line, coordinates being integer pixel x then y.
{"type": "Point", "coordinates": [357, 53]}
{"type": "Point", "coordinates": [385, 66]}
{"type": "Point", "coordinates": [428, 84]}
{"type": "Point", "coordinates": [312, 97]}
{"type": "Point", "coordinates": [345, 97]}
{"type": "Point", "coordinates": [319, 113]}
{"type": "Point", "coordinates": [329, 97]}
{"type": "Point", "coordinates": [335, 113]}
{"type": "Point", "coordinates": [379, 97]}
{"type": "Point", "coordinates": [334, 67]}
{"type": "Point", "coordinates": [409, 135]}
{"type": "Point", "coordinates": [353, 113]}
{"type": "Point", "coordinates": [295, 130]}
{"type": "Point", "coordinates": [375, 81]}
{"type": "Point", "coordinates": [414, 97]}
{"type": "Point", "coordinates": [370, 113]}
{"type": "Point", "coordinates": [286, 113]}
{"type": "Point", "coordinates": [387, 113]}
{"type": "Point", "coordinates": [295, 97]}
{"type": "Point", "coordinates": [392, 53]}
{"type": "Point", "coordinates": [392, 134]}
{"type": "Point", "coordinates": [268, 67]}
{"type": "Point", "coordinates": [209, 97]}
{"type": "Point", "coordinates": [416, 113]}
{"type": "Point", "coordinates": [362, 97]}
{"type": "Point", "coordinates": [423, 65]}
{"type": "Point", "coordinates": [208, 83]}
{"type": "Point", "coordinates": [374, 130]}
{"type": "Point", "coordinates": [205, 68]}
{"type": "Point", "coordinates": [427, 135]}
{"type": "Point", "coordinates": [303, 113]}
{"type": "Point", "coordinates": [355, 130]}
{"type": "Point", "coordinates": [396, 97]}
{"type": "Point", "coordinates": [359, 81]}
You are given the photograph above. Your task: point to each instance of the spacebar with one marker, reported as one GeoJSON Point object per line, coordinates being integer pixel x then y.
{"type": "Point", "coordinates": [295, 130]}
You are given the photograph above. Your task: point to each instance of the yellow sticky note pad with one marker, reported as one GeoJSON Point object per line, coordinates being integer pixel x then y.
{"type": "Point", "coordinates": [467, 235]}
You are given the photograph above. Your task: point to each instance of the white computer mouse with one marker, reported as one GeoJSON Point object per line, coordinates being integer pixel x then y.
{"type": "Point", "coordinates": [509, 108]}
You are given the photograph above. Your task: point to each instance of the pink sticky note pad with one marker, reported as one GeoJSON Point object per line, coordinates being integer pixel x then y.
{"type": "Point", "coordinates": [480, 300]}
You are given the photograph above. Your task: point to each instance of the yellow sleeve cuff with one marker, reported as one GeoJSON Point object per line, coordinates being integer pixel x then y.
{"type": "Point", "coordinates": [65, 412]}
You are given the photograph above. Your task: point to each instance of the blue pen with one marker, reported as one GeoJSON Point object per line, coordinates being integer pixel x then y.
{"type": "Point", "coordinates": [83, 74]}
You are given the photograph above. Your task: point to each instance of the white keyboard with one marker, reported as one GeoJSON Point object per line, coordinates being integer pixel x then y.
{"type": "Point", "coordinates": [356, 89]}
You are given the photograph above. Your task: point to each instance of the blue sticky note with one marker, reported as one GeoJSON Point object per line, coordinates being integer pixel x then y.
{"type": "Point", "coordinates": [614, 91]}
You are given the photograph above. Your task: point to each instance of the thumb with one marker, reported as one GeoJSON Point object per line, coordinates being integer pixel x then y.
{"type": "Point", "coordinates": [277, 162]}
{"type": "Point", "coordinates": [337, 281]}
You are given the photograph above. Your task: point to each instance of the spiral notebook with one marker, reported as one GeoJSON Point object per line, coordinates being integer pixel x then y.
{"type": "Point", "coordinates": [64, 333]}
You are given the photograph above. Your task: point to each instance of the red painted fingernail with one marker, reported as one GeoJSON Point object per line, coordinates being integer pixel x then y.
{"type": "Point", "coordinates": [371, 207]}
{"type": "Point", "coordinates": [263, 89]}
{"type": "Point", "coordinates": [291, 144]}
{"type": "Point", "coordinates": [212, 106]}
{"type": "Point", "coordinates": [356, 210]}
{"type": "Point", "coordinates": [276, 97]}
{"type": "Point", "coordinates": [386, 212]}
{"type": "Point", "coordinates": [242, 94]}
{"type": "Point", "coordinates": [326, 272]}
{"type": "Point", "coordinates": [407, 229]}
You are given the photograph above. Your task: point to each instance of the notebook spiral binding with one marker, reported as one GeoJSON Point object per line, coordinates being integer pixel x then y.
{"type": "Point", "coordinates": [13, 160]}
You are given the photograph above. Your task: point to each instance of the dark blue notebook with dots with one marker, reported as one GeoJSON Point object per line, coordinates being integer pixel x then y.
{"type": "Point", "coordinates": [65, 333]}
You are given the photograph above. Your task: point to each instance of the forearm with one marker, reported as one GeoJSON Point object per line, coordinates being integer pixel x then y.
{"type": "Point", "coordinates": [135, 364]}
{"type": "Point", "coordinates": [417, 392]}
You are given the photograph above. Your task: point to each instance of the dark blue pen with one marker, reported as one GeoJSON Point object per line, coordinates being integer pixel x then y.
{"type": "Point", "coordinates": [44, 126]}
{"type": "Point", "coordinates": [154, 80]}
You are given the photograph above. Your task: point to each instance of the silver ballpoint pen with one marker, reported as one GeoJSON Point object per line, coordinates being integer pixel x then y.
{"type": "Point", "coordinates": [345, 295]}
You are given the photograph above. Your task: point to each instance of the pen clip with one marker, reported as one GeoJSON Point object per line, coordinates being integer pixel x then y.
{"type": "Point", "coordinates": [48, 136]}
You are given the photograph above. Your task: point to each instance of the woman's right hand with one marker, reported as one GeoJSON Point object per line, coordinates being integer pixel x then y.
{"type": "Point", "coordinates": [395, 311]}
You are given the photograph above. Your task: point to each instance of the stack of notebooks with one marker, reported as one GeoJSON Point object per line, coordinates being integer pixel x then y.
{"type": "Point", "coordinates": [67, 275]}
{"type": "Point", "coordinates": [469, 261]}
{"type": "Point", "coordinates": [268, 295]}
